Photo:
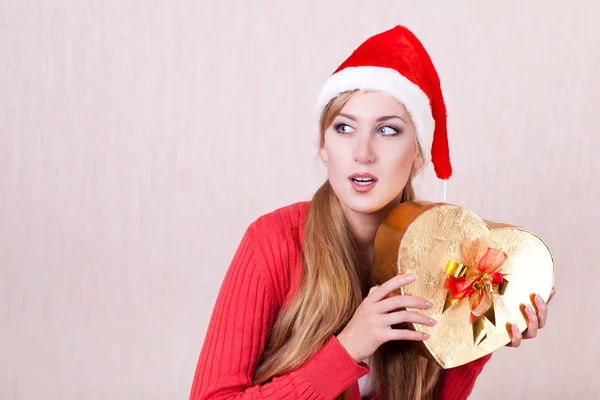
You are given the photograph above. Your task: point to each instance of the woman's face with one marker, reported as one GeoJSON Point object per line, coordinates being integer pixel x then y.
{"type": "Point", "coordinates": [370, 151]}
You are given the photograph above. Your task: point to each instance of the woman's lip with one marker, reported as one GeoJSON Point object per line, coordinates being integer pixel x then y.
{"type": "Point", "coordinates": [363, 175]}
{"type": "Point", "coordinates": [362, 186]}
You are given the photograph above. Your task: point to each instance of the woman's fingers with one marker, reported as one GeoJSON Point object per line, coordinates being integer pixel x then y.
{"type": "Point", "coordinates": [390, 286]}
{"type": "Point", "coordinates": [399, 317]}
{"type": "Point", "coordinates": [535, 320]}
{"type": "Point", "coordinates": [405, 334]}
{"type": "Point", "coordinates": [398, 302]}
{"type": "Point", "coordinates": [516, 336]}
{"type": "Point", "coordinates": [551, 295]}
{"type": "Point", "coordinates": [532, 327]}
{"type": "Point", "coordinates": [542, 311]}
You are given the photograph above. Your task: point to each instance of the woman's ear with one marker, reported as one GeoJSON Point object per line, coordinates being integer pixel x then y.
{"type": "Point", "coordinates": [323, 154]}
{"type": "Point", "coordinates": [418, 162]}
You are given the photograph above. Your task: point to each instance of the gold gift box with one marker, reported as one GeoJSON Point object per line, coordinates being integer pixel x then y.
{"type": "Point", "coordinates": [436, 241]}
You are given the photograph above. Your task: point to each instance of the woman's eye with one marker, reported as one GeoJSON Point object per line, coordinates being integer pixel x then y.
{"type": "Point", "coordinates": [388, 131]}
{"type": "Point", "coordinates": [343, 128]}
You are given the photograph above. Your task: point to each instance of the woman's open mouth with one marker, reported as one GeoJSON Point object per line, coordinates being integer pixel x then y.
{"type": "Point", "coordinates": [362, 182]}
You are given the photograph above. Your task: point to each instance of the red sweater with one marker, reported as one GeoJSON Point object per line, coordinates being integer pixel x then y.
{"type": "Point", "coordinates": [264, 268]}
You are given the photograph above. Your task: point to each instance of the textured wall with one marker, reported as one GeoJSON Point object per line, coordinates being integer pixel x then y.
{"type": "Point", "coordinates": [138, 140]}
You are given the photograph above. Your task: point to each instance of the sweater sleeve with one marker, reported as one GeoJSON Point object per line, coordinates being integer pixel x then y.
{"type": "Point", "coordinates": [241, 321]}
{"type": "Point", "coordinates": [458, 383]}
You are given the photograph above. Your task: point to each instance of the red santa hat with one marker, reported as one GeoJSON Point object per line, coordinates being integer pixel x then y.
{"type": "Point", "coordinates": [395, 62]}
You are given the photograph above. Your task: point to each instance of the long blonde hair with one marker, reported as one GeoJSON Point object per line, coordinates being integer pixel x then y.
{"type": "Point", "coordinates": [334, 281]}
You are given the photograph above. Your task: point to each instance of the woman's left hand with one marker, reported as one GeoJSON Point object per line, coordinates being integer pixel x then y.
{"type": "Point", "coordinates": [536, 321]}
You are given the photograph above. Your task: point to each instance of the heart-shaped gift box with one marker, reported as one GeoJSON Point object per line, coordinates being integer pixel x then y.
{"type": "Point", "coordinates": [478, 274]}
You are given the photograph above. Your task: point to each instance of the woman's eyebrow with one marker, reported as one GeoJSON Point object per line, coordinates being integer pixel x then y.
{"type": "Point", "coordinates": [386, 117]}
{"type": "Point", "coordinates": [380, 119]}
{"type": "Point", "coordinates": [348, 116]}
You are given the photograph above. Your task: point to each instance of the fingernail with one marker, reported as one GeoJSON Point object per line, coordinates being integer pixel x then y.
{"type": "Point", "coordinates": [530, 310]}
{"type": "Point", "coordinates": [432, 321]}
{"type": "Point", "coordinates": [410, 277]}
{"type": "Point", "coordinates": [538, 298]}
{"type": "Point", "coordinates": [426, 336]}
{"type": "Point", "coordinates": [428, 304]}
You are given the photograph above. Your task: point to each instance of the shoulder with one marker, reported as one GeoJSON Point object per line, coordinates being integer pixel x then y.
{"type": "Point", "coordinates": [277, 242]}
{"type": "Point", "coordinates": [281, 222]}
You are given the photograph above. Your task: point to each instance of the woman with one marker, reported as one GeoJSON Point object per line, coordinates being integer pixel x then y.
{"type": "Point", "coordinates": [299, 315]}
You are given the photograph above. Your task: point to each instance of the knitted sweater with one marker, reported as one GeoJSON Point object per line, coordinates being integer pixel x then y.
{"type": "Point", "coordinates": [265, 267]}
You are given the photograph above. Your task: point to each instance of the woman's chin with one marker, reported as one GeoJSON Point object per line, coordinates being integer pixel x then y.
{"type": "Point", "coordinates": [365, 204]}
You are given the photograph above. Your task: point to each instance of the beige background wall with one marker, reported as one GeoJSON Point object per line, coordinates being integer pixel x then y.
{"type": "Point", "coordinates": [138, 139]}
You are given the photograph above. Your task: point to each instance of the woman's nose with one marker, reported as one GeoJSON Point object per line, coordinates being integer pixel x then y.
{"type": "Point", "coordinates": [363, 150]}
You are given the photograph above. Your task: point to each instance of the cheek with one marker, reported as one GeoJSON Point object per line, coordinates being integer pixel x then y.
{"type": "Point", "coordinates": [397, 158]}
{"type": "Point", "coordinates": [396, 168]}
{"type": "Point", "coordinates": [336, 152]}
{"type": "Point", "coordinates": [335, 167]}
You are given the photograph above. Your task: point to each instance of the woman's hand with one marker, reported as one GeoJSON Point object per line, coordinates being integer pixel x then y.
{"type": "Point", "coordinates": [371, 325]}
{"type": "Point", "coordinates": [536, 321]}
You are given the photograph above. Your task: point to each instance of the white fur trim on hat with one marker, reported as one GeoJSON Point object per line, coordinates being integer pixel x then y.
{"type": "Point", "coordinates": [384, 80]}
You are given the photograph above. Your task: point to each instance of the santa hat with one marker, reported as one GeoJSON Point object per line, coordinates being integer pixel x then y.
{"type": "Point", "coordinates": [396, 63]}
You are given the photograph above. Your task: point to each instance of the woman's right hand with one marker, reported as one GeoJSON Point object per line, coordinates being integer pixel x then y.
{"type": "Point", "coordinates": [371, 325]}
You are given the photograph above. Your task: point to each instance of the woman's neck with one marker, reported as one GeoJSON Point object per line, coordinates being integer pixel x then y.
{"type": "Point", "coordinates": [364, 227]}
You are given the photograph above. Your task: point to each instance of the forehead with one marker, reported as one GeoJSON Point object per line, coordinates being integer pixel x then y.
{"type": "Point", "coordinates": [372, 105]}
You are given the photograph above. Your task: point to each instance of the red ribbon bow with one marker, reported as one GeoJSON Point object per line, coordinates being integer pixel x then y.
{"type": "Point", "coordinates": [477, 283]}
